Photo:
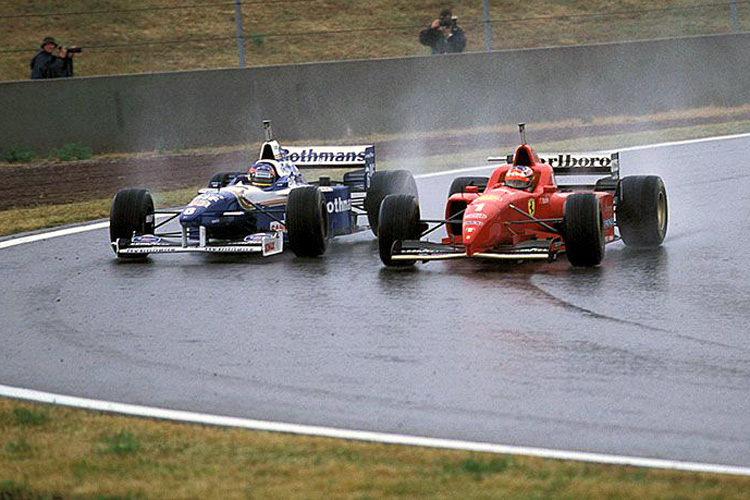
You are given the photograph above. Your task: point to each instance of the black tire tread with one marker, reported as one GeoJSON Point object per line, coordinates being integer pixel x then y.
{"type": "Point", "coordinates": [399, 217]}
{"type": "Point", "coordinates": [307, 222]}
{"type": "Point", "coordinates": [382, 184]}
{"type": "Point", "coordinates": [583, 230]}
{"type": "Point", "coordinates": [129, 215]}
{"type": "Point", "coordinates": [637, 210]}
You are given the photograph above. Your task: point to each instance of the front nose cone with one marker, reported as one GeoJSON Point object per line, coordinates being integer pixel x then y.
{"type": "Point", "coordinates": [479, 225]}
{"type": "Point", "coordinates": [191, 214]}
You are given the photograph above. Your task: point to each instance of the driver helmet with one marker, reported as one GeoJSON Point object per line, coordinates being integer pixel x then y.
{"type": "Point", "coordinates": [262, 174]}
{"type": "Point", "coordinates": [519, 177]}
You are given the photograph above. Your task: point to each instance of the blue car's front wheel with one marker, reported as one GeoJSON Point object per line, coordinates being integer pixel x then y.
{"type": "Point", "coordinates": [131, 214]}
{"type": "Point", "coordinates": [307, 221]}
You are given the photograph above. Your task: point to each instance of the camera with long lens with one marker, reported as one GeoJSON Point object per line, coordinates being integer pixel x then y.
{"type": "Point", "coordinates": [74, 50]}
{"type": "Point", "coordinates": [449, 22]}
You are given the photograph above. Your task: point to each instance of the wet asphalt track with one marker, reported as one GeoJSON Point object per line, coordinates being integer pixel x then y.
{"type": "Point", "coordinates": [648, 355]}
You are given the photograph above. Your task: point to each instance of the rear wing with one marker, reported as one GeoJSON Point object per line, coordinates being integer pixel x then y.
{"type": "Point", "coordinates": [336, 157]}
{"type": "Point", "coordinates": [330, 156]}
{"type": "Point", "coordinates": [601, 171]}
{"type": "Point", "coordinates": [323, 157]}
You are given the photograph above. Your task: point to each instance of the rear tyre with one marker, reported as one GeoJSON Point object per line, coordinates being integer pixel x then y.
{"type": "Point", "coordinates": [131, 214]}
{"type": "Point", "coordinates": [583, 230]}
{"type": "Point", "coordinates": [459, 184]}
{"type": "Point", "coordinates": [307, 221]}
{"type": "Point", "coordinates": [399, 220]}
{"type": "Point", "coordinates": [642, 212]}
{"type": "Point", "coordinates": [381, 185]}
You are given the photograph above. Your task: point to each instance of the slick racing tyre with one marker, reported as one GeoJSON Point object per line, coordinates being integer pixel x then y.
{"type": "Point", "coordinates": [399, 220]}
{"type": "Point", "coordinates": [642, 212]}
{"type": "Point", "coordinates": [131, 214]}
{"type": "Point", "coordinates": [583, 230]}
{"type": "Point", "coordinates": [307, 221]}
{"type": "Point", "coordinates": [459, 184]}
{"type": "Point", "coordinates": [382, 184]}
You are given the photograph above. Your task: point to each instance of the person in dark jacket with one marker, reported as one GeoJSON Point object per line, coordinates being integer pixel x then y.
{"type": "Point", "coordinates": [46, 64]}
{"type": "Point", "coordinates": [443, 35]}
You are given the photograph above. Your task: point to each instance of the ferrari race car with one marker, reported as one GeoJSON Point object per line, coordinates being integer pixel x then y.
{"type": "Point", "coordinates": [260, 209]}
{"type": "Point", "coordinates": [521, 213]}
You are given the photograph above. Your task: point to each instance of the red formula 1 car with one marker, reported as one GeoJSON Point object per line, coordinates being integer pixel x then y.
{"type": "Point", "coordinates": [521, 213]}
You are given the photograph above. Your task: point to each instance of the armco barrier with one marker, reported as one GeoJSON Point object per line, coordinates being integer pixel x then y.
{"type": "Point", "coordinates": [332, 100]}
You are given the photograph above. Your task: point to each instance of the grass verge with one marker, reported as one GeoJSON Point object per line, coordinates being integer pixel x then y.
{"type": "Point", "coordinates": [18, 220]}
{"type": "Point", "coordinates": [62, 453]}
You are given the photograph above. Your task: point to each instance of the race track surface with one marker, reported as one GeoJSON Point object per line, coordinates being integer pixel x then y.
{"type": "Point", "coordinates": [647, 355]}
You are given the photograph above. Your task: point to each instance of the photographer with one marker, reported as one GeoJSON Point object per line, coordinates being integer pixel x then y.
{"type": "Point", "coordinates": [47, 64]}
{"type": "Point", "coordinates": [444, 35]}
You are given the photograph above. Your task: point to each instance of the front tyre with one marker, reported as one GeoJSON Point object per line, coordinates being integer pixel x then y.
{"type": "Point", "coordinates": [382, 184]}
{"type": "Point", "coordinates": [583, 230]}
{"type": "Point", "coordinates": [307, 221]}
{"type": "Point", "coordinates": [642, 212]}
{"type": "Point", "coordinates": [399, 220]}
{"type": "Point", "coordinates": [131, 214]}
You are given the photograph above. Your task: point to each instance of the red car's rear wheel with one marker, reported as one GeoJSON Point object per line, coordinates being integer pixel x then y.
{"type": "Point", "coordinates": [642, 212]}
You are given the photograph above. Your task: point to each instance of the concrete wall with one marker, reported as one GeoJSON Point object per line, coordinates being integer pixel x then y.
{"type": "Point", "coordinates": [331, 100]}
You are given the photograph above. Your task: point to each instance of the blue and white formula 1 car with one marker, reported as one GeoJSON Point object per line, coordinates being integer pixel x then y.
{"type": "Point", "coordinates": [260, 209]}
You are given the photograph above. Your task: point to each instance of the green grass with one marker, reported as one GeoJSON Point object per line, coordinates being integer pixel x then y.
{"type": "Point", "coordinates": [119, 36]}
{"type": "Point", "coordinates": [30, 417]}
{"type": "Point", "coordinates": [28, 219]}
{"type": "Point", "coordinates": [71, 152]}
{"type": "Point", "coordinates": [78, 454]}
{"type": "Point", "coordinates": [121, 443]}
{"type": "Point", "coordinates": [18, 154]}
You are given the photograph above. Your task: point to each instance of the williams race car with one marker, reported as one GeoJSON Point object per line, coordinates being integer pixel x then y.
{"type": "Point", "coordinates": [260, 209]}
{"type": "Point", "coordinates": [521, 213]}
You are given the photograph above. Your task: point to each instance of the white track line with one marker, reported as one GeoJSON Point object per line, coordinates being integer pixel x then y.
{"type": "Point", "coordinates": [52, 234]}
{"type": "Point", "coordinates": [377, 437]}
{"type": "Point", "coordinates": [308, 430]}
{"type": "Point", "coordinates": [685, 142]}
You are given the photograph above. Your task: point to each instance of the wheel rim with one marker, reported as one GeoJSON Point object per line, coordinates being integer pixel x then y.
{"type": "Point", "coordinates": [661, 212]}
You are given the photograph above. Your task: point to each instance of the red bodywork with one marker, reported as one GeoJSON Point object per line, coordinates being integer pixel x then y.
{"type": "Point", "coordinates": [493, 219]}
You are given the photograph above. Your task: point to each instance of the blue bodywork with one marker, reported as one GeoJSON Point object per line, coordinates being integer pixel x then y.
{"type": "Point", "coordinates": [239, 208]}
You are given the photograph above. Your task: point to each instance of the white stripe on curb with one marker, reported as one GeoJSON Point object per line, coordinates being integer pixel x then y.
{"type": "Point", "coordinates": [377, 437]}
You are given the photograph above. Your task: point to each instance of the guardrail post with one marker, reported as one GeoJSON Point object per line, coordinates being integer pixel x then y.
{"type": "Point", "coordinates": [240, 35]}
{"type": "Point", "coordinates": [487, 26]}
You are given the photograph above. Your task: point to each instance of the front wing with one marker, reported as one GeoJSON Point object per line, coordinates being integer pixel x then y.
{"type": "Point", "coordinates": [264, 243]}
{"type": "Point", "coordinates": [416, 250]}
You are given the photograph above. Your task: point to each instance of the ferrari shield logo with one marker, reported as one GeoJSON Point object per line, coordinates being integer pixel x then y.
{"type": "Point", "coordinates": [532, 207]}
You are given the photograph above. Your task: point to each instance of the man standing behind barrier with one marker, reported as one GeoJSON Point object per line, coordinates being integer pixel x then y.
{"type": "Point", "coordinates": [46, 64]}
{"type": "Point", "coordinates": [444, 35]}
